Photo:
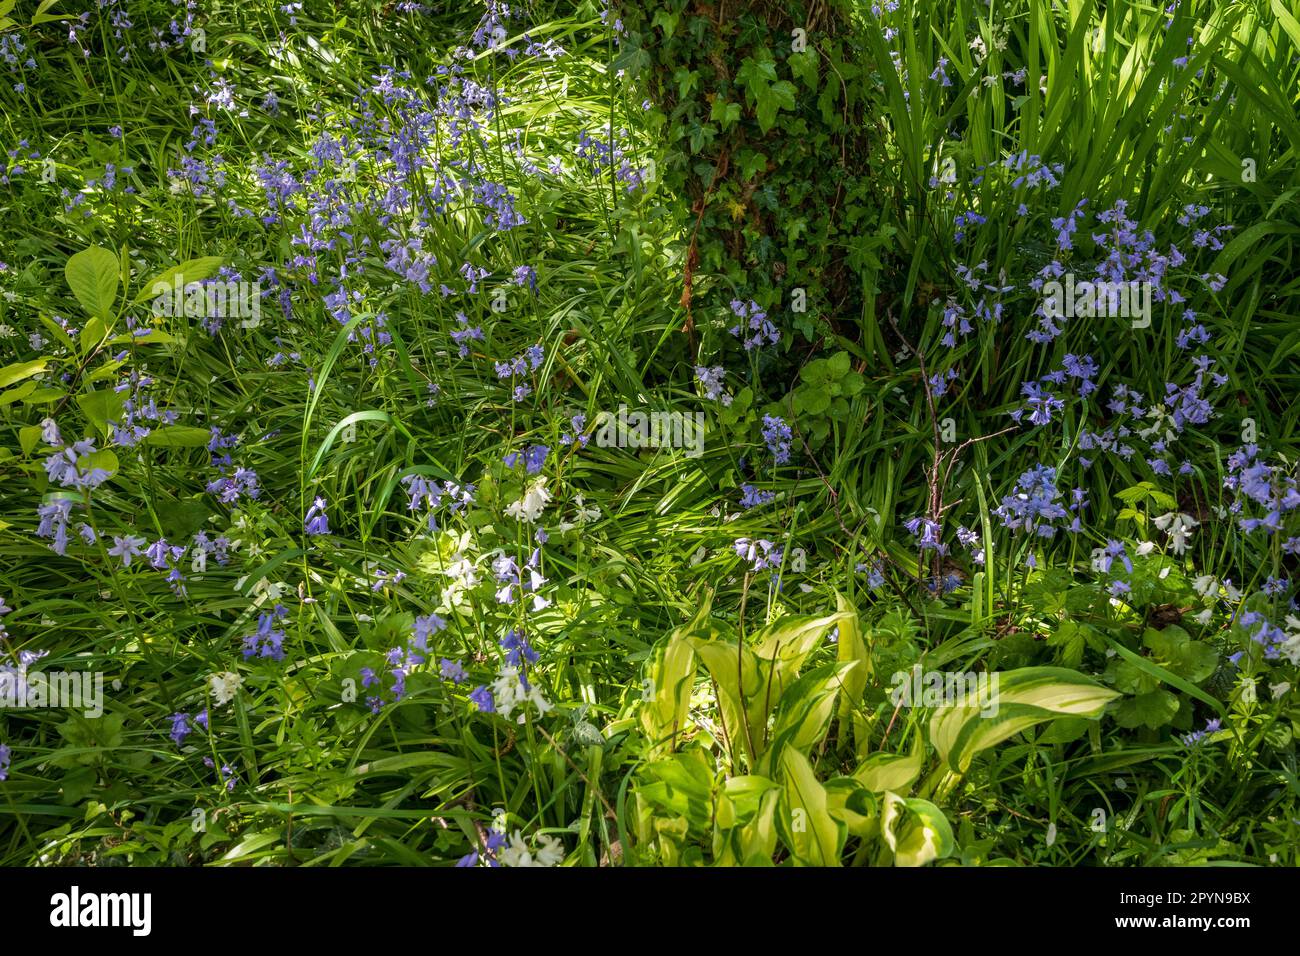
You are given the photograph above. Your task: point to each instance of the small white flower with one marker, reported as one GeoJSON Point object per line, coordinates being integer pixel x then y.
{"type": "Point", "coordinates": [550, 851]}
{"type": "Point", "coordinates": [223, 687]}
{"type": "Point", "coordinates": [515, 852]}
{"type": "Point", "coordinates": [509, 692]}
{"type": "Point", "coordinates": [529, 507]}
{"type": "Point", "coordinates": [1179, 527]}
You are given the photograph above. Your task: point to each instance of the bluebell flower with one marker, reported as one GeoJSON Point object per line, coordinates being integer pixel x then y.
{"type": "Point", "coordinates": [316, 521]}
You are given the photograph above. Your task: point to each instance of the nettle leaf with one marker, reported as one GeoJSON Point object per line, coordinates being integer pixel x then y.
{"type": "Point", "coordinates": [916, 830]}
{"type": "Point", "coordinates": [810, 400]}
{"type": "Point", "coordinates": [1152, 709]}
{"type": "Point", "coordinates": [93, 275]}
{"type": "Point", "coordinates": [1189, 659]}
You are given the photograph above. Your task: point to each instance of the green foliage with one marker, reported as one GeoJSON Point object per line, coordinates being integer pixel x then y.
{"type": "Point", "coordinates": [752, 107]}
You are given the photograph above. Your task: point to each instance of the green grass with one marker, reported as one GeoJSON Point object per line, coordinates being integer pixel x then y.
{"type": "Point", "coordinates": [640, 542]}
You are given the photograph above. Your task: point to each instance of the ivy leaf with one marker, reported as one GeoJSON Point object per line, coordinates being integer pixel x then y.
{"type": "Point", "coordinates": [724, 112]}
{"type": "Point", "coordinates": [772, 99]}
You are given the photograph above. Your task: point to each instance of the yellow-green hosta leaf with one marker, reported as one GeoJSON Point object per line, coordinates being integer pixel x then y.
{"type": "Point", "coordinates": [849, 801]}
{"type": "Point", "coordinates": [1020, 699]}
{"type": "Point", "coordinates": [851, 646]}
{"type": "Point", "coordinates": [916, 830]}
{"type": "Point", "coordinates": [666, 692]}
{"type": "Point", "coordinates": [814, 837]}
{"type": "Point", "coordinates": [790, 639]}
{"type": "Point", "coordinates": [736, 675]}
{"type": "Point", "coordinates": [805, 710]}
{"type": "Point", "coordinates": [745, 821]}
{"type": "Point", "coordinates": [897, 772]}
{"type": "Point", "coordinates": [681, 786]}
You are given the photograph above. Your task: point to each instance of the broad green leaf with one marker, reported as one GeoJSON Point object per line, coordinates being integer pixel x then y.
{"type": "Point", "coordinates": [29, 437]}
{"type": "Point", "coordinates": [93, 275]}
{"type": "Point", "coordinates": [178, 436]}
{"type": "Point", "coordinates": [92, 333]}
{"type": "Point", "coordinates": [21, 370]}
{"type": "Point", "coordinates": [191, 270]}
{"type": "Point", "coordinates": [104, 459]}
{"type": "Point", "coordinates": [14, 394]}
{"type": "Point", "coordinates": [43, 395]}
{"type": "Point", "coordinates": [103, 406]}
{"type": "Point", "coordinates": [1164, 676]}
{"type": "Point", "coordinates": [1153, 709]}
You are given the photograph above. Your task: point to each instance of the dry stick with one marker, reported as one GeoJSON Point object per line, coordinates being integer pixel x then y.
{"type": "Point", "coordinates": [692, 255]}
